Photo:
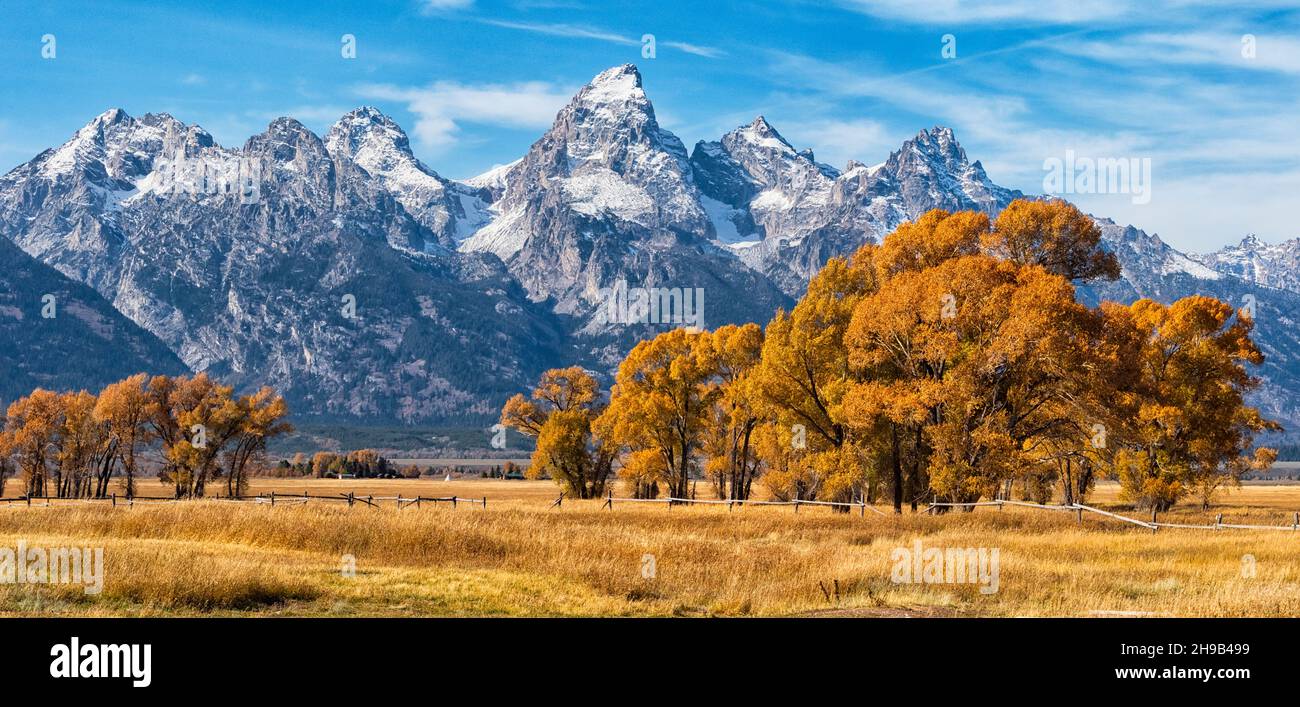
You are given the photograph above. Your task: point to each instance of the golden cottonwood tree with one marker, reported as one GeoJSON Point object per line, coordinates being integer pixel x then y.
{"type": "Point", "coordinates": [559, 416]}
{"type": "Point", "coordinates": [123, 408]}
{"type": "Point", "coordinates": [732, 458]}
{"type": "Point", "coordinates": [661, 403]}
{"type": "Point", "coordinates": [32, 425]}
{"type": "Point", "coordinates": [901, 337]}
{"type": "Point", "coordinates": [1053, 235]}
{"type": "Point", "coordinates": [84, 447]}
{"type": "Point", "coordinates": [801, 379]}
{"type": "Point", "coordinates": [195, 418]}
{"type": "Point", "coordinates": [974, 355]}
{"type": "Point", "coordinates": [261, 419]}
{"type": "Point", "coordinates": [1185, 425]}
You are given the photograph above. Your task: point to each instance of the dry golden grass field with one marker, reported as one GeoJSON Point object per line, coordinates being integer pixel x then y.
{"type": "Point", "coordinates": [519, 557]}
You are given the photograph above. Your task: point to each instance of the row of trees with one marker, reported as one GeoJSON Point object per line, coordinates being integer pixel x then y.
{"type": "Point", "coordinates": [72, 445]}
{"type": "Point", "coordinates": [360, 463]}
{"type": "Point", "coordinates": [950, 362]}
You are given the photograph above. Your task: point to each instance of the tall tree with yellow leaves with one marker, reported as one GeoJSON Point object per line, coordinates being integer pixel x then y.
{"type": "Point", "coordinates": [661, 403]}
{"type": "Point", "coordinates": [84, 448]}
{"type": "Point", "coordinates": [32, 425]}
{"type": "Point", "coordinates": [261, 418]}
{"type": "Point", "coordinates": [123, 408]}
{"type": "Point", "coordinates": [801, 379]}
{"type": "Point", "coordinates": [194, 418]}
{"type": "Point", "coordinates": [1053, 235]}
{"type": "Point", "coordinates": [971, 351]}
{"type": "Point", "coordinates": [732, 459]}
{"type": "Point", "coordinates": [1185, 425]}
{"type": "Point", "coordinates": [559, 416]}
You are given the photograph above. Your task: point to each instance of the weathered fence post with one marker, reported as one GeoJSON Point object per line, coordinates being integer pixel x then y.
{"type": "Point", "coordinates": [485, 503]}
{"type": "Point", "coordinates": [272, 498]}
{"type": "Point", "coordinates": [1154, 527]}
{"type": "Point", "coordinates": [1080, 510]}
{"type": "Point", "coordinates": [453, 501]}
{"type": "Point", "coordinates": [1295, 521]}
{"type": "Point", "coordinates": [609, 500]}
{"type": "Point", "coordinates": [1218, 521]}
{"type": "Point", "coordinates": [115, 500]}
{"type": "Point", "coordinates": [399, 501]}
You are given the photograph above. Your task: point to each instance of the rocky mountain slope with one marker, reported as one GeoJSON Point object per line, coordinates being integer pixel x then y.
{"type": "Point", "coordinates": [367, 287]}
{"type": "Point", "coordinates": [1270, 265]}
{"type": "Point", "coordinates": [60, 335]}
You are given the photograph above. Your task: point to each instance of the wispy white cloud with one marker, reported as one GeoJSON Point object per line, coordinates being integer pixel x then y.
{"type": "Point", "coordinates": [565, 30]}
{"type": "Point", "coordinates": [1052, 12]}
{"type": "Point", "coordinates": [442, 5]}
{"type": "Point", "coordinates": [1273, 51]}
{"type": "Point", "coordinates": [194, 79]}
{"type": "Point", "coordinates": [572, 31]}
{"type": "Point", "coordinates": [990, 11]}
{"type": "Point", "coordinates": [442, 108]}
{"type": "Point", "coordinates": [709, 52]}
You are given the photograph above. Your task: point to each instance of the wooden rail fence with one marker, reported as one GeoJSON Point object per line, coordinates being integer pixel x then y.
{"type": "Point", "coordinates": [400, 502]}
{"type": "Point", "coordinates": [1153, 525]}
{"type": "Point", "coordinates": [862, 507]}
{"type": "Point", "coordinates": [271, 499]}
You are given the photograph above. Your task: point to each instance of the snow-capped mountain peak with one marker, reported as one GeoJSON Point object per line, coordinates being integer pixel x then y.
{"type": "Point", "coordinates": [377, 144]}
{"type": "Point", "coordinates": [370, 138]}
{"type": "Point", "coordinates": [760, 133]}
{"type": "Point", "coordinates": [1271, 265]}
{"type": "Point", "coordinates": [619, 85]}
{"type": "Point", "coordinates": [610, 162]}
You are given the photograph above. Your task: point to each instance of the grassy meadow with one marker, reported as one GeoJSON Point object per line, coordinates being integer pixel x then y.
{"type": "Point", "coordinates": [519, 557]}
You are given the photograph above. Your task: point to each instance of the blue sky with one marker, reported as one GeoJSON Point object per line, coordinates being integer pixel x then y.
{"type": "Point", "coordinates": [475, 82]}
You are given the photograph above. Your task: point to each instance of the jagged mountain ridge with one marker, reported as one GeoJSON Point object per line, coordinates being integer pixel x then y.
{"type": "Point", "coordinates": [323, 284]}
{"type": "Point", "coordinates": [465, 290]}
{"type": "Point", "coordinates": [1271, 265]}
{"type": "Point", "coordinates": [785, 213]}
{"type": "Point", "coordinates": [608, 196]}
